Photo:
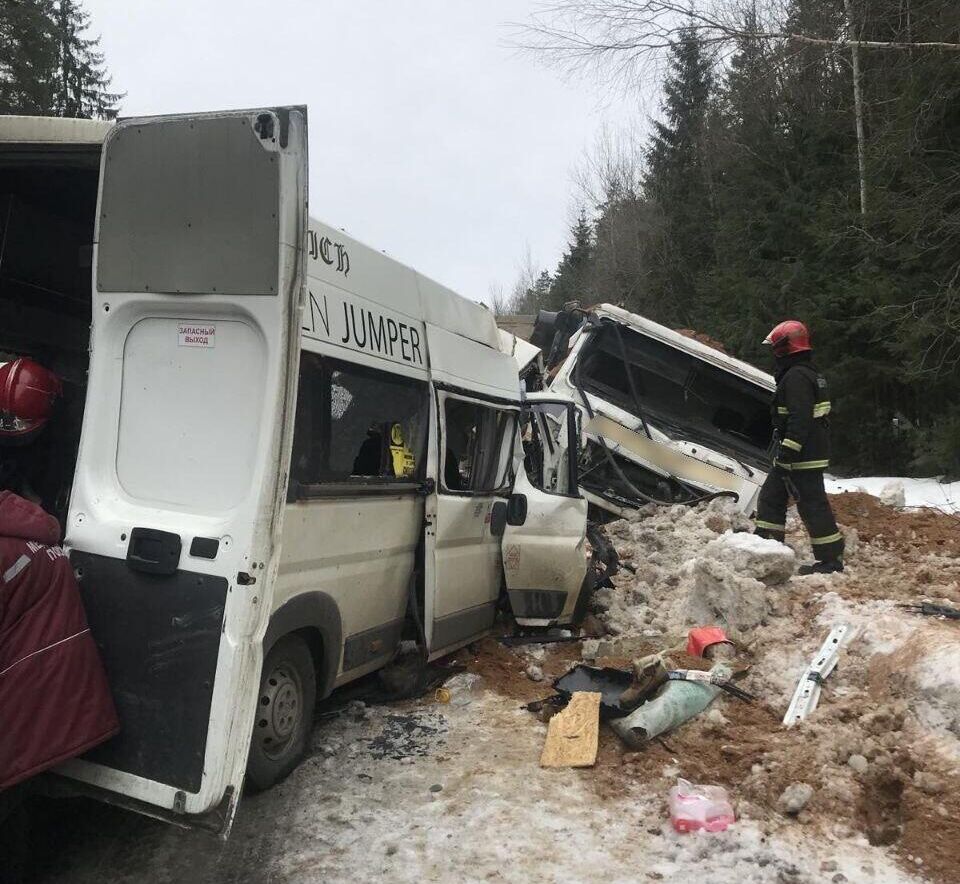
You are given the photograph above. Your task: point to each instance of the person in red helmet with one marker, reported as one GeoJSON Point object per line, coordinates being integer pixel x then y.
{"type": "Point", "coordinates": [29, 394]}
{"type": "Point", "coordinates": [801, 450]}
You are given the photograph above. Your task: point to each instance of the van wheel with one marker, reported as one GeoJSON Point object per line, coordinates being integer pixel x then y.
{"type": "Point", "coordinates": [285, 704]}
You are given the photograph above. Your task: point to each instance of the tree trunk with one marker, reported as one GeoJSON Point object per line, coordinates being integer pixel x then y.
{"type": "Point", "coordinates": [858, 107]}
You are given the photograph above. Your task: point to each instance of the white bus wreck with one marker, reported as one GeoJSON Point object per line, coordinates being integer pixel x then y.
{"type": "Point", "coordinates": [665, 418]}
{"type": "Point", "coordinates": [279, 452]}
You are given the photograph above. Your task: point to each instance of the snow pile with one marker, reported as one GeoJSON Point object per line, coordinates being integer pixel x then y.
{"type": "Point", "coordinates": [686, 575]}
{"type": "Point", "coordinates": [765, 560]}
{"type": "Point", "coordinates": [730, 581]}
{"type": "Point", "coordinates": [931, 492]}
{"type": "Point", "coordinates": [893, 494]}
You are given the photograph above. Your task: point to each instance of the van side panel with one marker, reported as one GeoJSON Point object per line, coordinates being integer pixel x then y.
{"type": "Point", "coordinates": [359, 552]}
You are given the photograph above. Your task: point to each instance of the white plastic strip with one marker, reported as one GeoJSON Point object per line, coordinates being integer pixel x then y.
{"type": "Point", "coordinates": [807, 694]}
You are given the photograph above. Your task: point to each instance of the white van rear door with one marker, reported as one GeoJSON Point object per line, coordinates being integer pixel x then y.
{"type": "Point", "coordinates": [174, 518]}
{"type": "Point", "coordinates": [544, 542]}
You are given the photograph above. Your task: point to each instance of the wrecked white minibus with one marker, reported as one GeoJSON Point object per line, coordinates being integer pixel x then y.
{"type": "Point", "coordinates": [279, 453]}
{"type": "Point", "coordinates": [665, 417]}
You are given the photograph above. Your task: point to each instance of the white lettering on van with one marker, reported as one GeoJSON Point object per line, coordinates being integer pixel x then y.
{"type": "Point", "coordinates": [193, 334]}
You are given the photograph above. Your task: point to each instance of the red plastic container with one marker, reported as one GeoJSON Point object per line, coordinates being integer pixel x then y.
{"type": "Point", "coordinates": [702, 637]}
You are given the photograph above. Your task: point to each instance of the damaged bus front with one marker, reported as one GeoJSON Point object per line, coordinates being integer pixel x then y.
{"type": "Point", "coordinates": [665, 418]}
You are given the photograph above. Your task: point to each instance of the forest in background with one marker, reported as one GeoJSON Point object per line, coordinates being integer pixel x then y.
{"type": "Point", "coordinates": [49, 65]}
{"type": "Point", "coordinates": [749, 202]}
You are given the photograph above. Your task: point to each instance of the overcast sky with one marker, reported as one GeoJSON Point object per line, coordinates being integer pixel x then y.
{"type": "Point", "coordinates": [429, 138]}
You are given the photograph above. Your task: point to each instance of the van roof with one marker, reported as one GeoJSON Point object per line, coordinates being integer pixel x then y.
{"type": "Point", "coordinates": [375, 276]}
{"type": "Point", "coordinates": [52, 130]}
{"type": "Point", "coordinates": [690, 345]}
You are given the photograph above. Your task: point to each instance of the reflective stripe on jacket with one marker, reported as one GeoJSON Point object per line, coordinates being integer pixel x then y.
{"type": "Point", "coordinates": [801, 406]}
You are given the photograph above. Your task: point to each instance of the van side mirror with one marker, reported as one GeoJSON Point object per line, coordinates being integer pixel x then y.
{"type": "Point", "coordinates": [517, 509]}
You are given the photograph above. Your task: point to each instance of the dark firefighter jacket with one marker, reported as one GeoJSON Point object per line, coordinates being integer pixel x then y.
{"type": "Point", "coordinates": [801, 407]}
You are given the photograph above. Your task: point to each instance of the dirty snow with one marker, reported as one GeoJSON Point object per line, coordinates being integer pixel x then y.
{"type": "Point", "coordinates": [463, 799]}
{"type": "Point", "coordinates": [930, 492]}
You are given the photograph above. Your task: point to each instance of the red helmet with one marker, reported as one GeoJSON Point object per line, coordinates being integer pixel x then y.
{"type": "Point", "coordinates": [788, 337]}
{"type": "Point", "coordinates": [27, 394]}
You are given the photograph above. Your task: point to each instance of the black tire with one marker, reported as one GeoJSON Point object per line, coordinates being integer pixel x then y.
{"type": "Point", "coordinates": [285, 705]}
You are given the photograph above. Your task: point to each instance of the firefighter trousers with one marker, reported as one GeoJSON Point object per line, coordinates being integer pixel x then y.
{"type": "Point", "coordinates": [806, 488]}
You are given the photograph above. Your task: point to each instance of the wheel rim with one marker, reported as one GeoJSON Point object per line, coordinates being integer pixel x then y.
{"type": "Point", "coordinates": [280, 710]}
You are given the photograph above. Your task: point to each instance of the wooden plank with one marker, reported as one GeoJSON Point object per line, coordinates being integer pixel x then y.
{"type": "Point", "coordinates": [573, 734]}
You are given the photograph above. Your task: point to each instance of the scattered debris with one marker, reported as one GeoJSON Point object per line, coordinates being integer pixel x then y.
{"type": "Point", "coordinates": [650, 674]}
{"type": "Point", "coordinates": [547, 637]}
{"type": "Point", "coordinates": [710, 642]}
{"type": "Point", "coordinates": [795, 798]}
{"type": "Point", "coordinates": [534, 672]}
{"type": "Point", "coordinates": [678, 702]}
{"type": "Point", "coordinates": [573, 734]}
{"type": "Point", "coordinates": [607, 682]}
{"type": "Point", "coordinates": [409, 735]}
{"type": "Point", "coordinates": [807, 694]}
{"type": "Point", "coordinates": [932, 610]}
{"type": "Point", "coordinates": [719, 677]}
{"type": "Point", "coordinates": [694, 807]}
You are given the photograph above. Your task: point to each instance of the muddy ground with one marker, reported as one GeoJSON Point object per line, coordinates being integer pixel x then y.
{"type": "Point", "coordinates": [452, 791]}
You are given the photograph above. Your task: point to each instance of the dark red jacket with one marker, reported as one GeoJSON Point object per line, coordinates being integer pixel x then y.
{"type": "Point", "coordinates": [54, 699]}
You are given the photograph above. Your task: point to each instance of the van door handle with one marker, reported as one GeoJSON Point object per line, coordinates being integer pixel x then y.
{"type": "Point", "coordinates": [153, 552]}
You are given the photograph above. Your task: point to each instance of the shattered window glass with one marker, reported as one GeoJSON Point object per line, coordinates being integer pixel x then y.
{"type": "Point", "coordinates": [358, 424]}
{"type": "Point", "coordinates": [478, 447]}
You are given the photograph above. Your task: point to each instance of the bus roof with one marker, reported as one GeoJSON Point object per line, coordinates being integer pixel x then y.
{"type": "Point", "coordinates": [52, 130]}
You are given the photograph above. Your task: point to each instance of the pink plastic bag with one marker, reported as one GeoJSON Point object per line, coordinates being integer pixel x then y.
{"type": "Point", "coordinates": [694, 807]}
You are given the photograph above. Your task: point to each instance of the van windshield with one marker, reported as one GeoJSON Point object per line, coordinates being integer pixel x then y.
{"type": "Point", "coordinates": [682, 395]}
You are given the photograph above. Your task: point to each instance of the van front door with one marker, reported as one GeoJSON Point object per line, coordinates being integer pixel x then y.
{"type": "Point", "coordinates": [173, 525]}
{"type": "Point", "coordinates": [466, 516]}
{"type": "Point", "coordinates": [544, 543]}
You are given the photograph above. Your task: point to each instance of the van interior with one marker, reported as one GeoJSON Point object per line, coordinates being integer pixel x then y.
{"type": "Point", "coordinates": [48, 201]}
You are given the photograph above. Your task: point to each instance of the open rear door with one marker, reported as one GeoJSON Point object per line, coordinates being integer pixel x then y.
{"type": "Point", "coordinates": [544, 543]}
{"type": "Point", "coordinates": [174, 519]}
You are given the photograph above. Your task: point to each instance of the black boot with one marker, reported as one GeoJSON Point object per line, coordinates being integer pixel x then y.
{"type": "Point", "coordinates": [829, 567]}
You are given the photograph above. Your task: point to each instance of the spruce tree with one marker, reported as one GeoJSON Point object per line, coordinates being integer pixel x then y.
{"type": "Point", "coordinates": [678, 180]}
{"type": "Point", "coordinates": [48, 66]}
{"type": "Point", "coordinates": [572, 281]}
{"type": "Point", "coordinates": [28, 57]}
{"type": "Point", "coordinates": [84, 84]}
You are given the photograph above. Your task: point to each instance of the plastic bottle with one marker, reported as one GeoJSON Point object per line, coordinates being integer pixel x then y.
{"type": "Point", "coordinates": [694, 807]}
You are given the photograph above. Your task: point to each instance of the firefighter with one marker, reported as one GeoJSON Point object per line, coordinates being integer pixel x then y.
{"type": "Point", "coordinates": [801, 450]}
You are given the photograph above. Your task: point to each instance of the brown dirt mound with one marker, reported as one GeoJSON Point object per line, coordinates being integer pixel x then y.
{"type": "Point", "coordinates": [504, 671]}
{"type": "Point", "coordinates": [904, 531]}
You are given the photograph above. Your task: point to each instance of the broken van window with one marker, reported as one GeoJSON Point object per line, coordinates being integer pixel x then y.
{"type": "Point", "coordinates": [356, 423]}
{"type": "Point", "coordinates": [546, 448]}
{"type": "Point", "coordinates": [684, 395]}
{"type": "Point", "coordinates": [479, 447]}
